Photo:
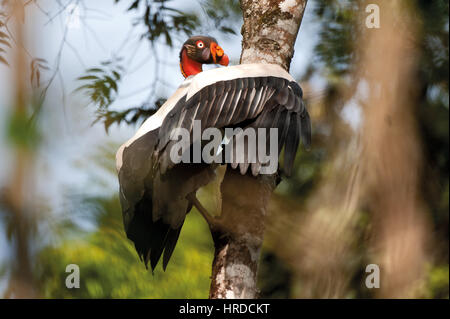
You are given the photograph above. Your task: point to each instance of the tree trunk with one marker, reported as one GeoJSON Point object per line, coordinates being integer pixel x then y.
{"type": "Point", "coordinates": [269, 33]}
{"type": "Point", "coordinates": [270, 30]}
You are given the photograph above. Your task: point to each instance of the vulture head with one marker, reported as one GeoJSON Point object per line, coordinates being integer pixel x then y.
{"type": "Point", "coordinates": [199, 50]}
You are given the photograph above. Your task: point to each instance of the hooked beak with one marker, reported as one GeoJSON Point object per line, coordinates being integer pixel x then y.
{"type": "Point", "coordinates": [219, 57]}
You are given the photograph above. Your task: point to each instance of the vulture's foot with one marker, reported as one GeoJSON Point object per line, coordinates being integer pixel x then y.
{"type": "Point", "coordinates": [210, 219]}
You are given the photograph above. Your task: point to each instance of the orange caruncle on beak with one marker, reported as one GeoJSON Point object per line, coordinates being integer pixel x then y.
{"type": "Point", "coordinates": [225, 60]}
{"type": "Point", "coordinates": [218, 54]}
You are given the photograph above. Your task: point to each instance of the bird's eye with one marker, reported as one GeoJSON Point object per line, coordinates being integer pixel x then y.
{"type": "Point", "coordinates": [200, 44]}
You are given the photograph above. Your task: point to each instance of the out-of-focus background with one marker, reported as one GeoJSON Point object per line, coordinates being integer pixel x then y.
{"type": "Point", "coordinates": [77, 77]}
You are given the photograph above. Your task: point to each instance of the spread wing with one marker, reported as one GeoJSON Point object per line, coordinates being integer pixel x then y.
{"type": "Point", "coordinates": [259, 102]}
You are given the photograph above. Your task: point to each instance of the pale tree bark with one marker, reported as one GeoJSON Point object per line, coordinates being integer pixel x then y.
{"type": "Point", "coordinates": [269, 33]}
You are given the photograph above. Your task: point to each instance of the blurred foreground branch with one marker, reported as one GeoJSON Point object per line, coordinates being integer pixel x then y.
{"type": "Point", "coordinates": [20, 222]}
{"type": "Point", "coordinates": [393, 156]}
{"type": "Point", "coordinates": [368, 209]}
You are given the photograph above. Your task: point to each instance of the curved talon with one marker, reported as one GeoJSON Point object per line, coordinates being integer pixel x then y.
{"type": "Point", "coordinates": [202, 210]}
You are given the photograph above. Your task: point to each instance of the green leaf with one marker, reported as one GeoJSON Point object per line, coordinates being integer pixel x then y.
{"type": "Point", "coordinates": [88, 77]}
{"type": "Point", "coordinates": [112, 83]}
{"type": "Point", "coordinates": [116, 75]}
{"type": "Point", "coordinates": [227, 30]}
{"type": "Point", "coordinates": [134, 5]}
{"type": "Point", "coordinates": [95, 70]}
{"type": "Point", "coordinates": [86, 86]}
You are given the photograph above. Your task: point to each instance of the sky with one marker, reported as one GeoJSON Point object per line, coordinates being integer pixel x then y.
{"type": "Point", "coordinates": [64, 167]}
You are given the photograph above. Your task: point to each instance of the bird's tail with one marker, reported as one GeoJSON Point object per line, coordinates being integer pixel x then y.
{"type": "Point", "coordinates": [152, 239]}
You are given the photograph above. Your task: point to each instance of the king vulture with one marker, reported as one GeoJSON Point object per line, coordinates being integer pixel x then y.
{"type": "Point", "coordinates": [156, 194]}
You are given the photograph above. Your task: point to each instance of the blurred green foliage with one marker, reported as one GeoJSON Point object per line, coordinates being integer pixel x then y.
{"type": "Point", "coordinates": [162, 19]}
{"type": "Point", "coordinates": [101, 83]}
{"type": "Point", "coordinates": [437, 283]}
{"type": "Point", "coordinates": [110, 266]}
{"type": "Point", "coordinates": [21, 132]}
{"type": "Point", "coordinates": [224, 14]}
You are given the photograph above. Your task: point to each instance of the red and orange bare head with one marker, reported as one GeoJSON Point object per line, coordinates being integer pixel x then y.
{"type": "Point", "coordinates": [199, 50]}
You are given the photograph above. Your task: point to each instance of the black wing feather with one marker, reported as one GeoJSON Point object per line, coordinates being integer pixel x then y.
{"type": "Point", "coordinates": [292, 141]}
{"type": "Point", "coordinates": [306, 129]}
